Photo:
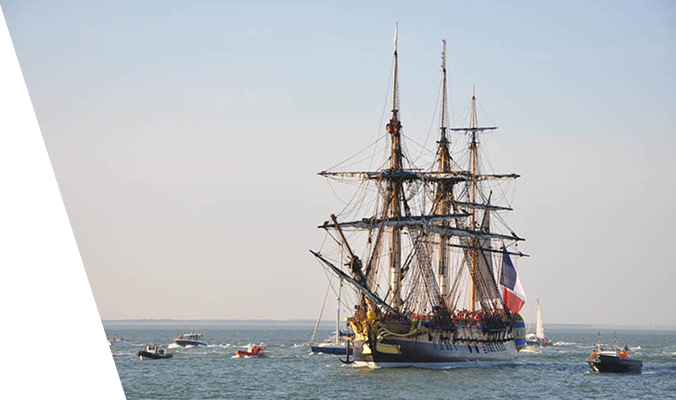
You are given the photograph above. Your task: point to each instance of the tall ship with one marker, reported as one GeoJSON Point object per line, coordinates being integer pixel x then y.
{"type": "Point", "coordinates": [433, 278]}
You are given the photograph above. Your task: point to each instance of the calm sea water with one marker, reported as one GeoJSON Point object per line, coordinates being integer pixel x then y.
{"type": "Point", "coordinates": [557, 372]}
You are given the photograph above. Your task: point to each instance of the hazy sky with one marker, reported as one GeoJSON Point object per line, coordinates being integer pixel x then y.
{"type": "Point", "coordinates": [186, 137]}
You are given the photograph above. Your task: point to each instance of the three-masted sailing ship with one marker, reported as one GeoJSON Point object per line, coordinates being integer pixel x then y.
{"type": "Point", "coordinates": [428, 292]}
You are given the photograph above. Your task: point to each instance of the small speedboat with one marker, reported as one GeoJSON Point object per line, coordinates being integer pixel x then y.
{"type": "Point", "coordinates": [189, 340]}
{"type": "Point", "coordinates": [118, 341]}
{"type": "Point", "coordinates": [614, 360]}
{"type": "Point", "coordinates": [533, 340]}
{"type": "Point", "coordinates": [252, 351]}
{"type": "Point", "coordinates": [153, 352]}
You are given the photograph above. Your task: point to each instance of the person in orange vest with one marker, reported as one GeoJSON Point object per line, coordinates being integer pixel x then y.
{"type": "Point", "coordinates": [623, 354]}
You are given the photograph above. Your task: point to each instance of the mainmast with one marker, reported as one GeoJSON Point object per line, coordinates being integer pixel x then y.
{"type": "Point", "coordinates": [445, 188]}
{"type": "Point", "coordinates": [395, 187]}
{"type": "Point", "coordinates": [473, 160]}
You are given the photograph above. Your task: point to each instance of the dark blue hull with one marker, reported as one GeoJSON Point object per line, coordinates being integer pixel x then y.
{"type": "Point", "coordinates": [189, 343]}
{"type": "Point", "coordinates": [142, 354]}
{"type": "Point", "coordinates": [338, 350]}
{"type": "Point", "coordinates": [421, 352]}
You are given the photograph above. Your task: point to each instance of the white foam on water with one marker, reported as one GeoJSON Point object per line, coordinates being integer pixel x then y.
{"type": "Point", "coordinates": [531, 350]}
{"type": "Point", "coordinates": [564, 343]}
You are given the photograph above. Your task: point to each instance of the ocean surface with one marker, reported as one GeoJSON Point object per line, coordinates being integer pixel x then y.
{"type": "Point", "coordinates": [291, 372]}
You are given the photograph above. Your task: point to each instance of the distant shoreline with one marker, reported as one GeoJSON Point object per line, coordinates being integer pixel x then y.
{"type": "Point", "coordinates": [178, 321]}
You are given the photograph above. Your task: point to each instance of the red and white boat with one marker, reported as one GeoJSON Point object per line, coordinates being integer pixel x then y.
{"type": "Point", "coordinates": [253, 351]}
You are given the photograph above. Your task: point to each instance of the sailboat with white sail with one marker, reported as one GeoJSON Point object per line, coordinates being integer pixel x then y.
{"type": "Point", "coordinates": [538, 338]}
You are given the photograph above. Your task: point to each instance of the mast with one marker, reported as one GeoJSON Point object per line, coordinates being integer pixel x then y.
{"type": "Point", "coordinates": [539, 326]}
{"type": "Point", "coordinates": [395, 187]}
{"type": "Point", "coordinates": [473, 159]}
{"type": "Point", "coordinates": [445, 189]}
{"type": "Point", "coordinates": [340, 289]}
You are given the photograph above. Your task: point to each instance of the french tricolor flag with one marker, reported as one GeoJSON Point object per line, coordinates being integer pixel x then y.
{"type": "Point", "coordinates": [512, 292]}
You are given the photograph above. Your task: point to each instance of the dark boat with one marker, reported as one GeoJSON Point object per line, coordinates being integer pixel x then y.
{"type": "Point", "coordinates": [153, 352]}
{"type": "Point", "coordinates": [613, 360]}
{"type": "Point", "coordinates": [331, 348]}
{"type": "Point", "coordinates": [610, 361]}
{"type": "Point", "coordinates": [190, 340]}
{"type": "Point", "coordinates": [339, 342]}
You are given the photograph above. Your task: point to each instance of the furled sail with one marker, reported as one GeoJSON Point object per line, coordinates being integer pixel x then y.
{"type": "Point", "coordinates": [489, 294]}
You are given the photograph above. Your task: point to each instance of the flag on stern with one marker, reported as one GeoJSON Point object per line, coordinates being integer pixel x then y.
{"type": "Point", "coordinates": [512, 292]}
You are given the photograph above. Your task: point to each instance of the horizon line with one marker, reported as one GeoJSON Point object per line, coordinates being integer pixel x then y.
{"type": "Point", "coordinates": [307, 320]}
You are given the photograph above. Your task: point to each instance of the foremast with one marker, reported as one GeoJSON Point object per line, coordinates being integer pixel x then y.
{"type": "Point", "coordinates": [395, 186]}
{"type": "Point", "coordinates": [445, 190]}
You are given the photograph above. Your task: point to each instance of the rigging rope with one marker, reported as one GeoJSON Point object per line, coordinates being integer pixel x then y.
{"type": "Point", "coordinates": [320, 314]}
{"type": "Point", "coordinates": [358, 153]}
{"type": "Point", "coordinates": [429, 131]}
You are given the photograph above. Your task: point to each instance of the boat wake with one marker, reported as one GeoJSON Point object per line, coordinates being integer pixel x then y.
{"type": "Point", "coordinates": [533, 350]}
{"type": "Point", "coordinates": [238, 356]}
